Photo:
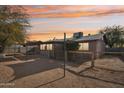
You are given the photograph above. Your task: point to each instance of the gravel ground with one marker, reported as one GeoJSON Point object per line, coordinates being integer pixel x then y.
{"type": "Point", "coordinates": [108, 72]}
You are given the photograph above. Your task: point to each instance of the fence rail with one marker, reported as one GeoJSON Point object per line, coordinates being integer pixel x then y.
{"type": "Point", "coordinates": [80, 52]}
{"type": "Point", "coordinates": [113, 52]}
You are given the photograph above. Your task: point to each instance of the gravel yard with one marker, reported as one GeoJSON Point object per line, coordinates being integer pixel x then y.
{"type": "Point", "coordinates": [41, 72]}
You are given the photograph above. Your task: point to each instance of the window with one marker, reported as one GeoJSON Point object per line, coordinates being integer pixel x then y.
{"type": "Point", "coordinates": [84, 46]}
{"type": "Point", "coordinates": [46, 47]}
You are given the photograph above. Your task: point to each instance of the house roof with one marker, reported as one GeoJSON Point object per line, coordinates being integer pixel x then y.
{"type": "Point", "coordinates": [82, 39]}
{"type": "Point", "coordinates": [90, 38]}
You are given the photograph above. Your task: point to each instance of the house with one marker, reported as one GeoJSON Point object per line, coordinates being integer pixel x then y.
{"type": "Point", "coordinates": [93, 43]}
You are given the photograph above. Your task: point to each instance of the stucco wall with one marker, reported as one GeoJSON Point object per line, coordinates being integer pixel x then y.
{"type": "Point", "coordinates": [97, 47]}
{"type": "Point", "coordinates": [58, 51]}
{"type": "Point", "coordinates": [79, 57]}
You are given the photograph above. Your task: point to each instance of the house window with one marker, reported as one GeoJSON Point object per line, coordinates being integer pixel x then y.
{"type": "Point", "coordinates": [43, 47]}
{"type": "Point", "coordinates": [84, 46]}
{"type": "Point", "coordinates": [49, 47]}
{"type": "Point", "coordinates": [46, 47]}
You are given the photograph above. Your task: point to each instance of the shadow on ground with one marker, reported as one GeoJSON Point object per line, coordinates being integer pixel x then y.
{"type": "Point", "coordinates": [50, 82]}
{"type": "Point", "coordinates": [6, 59]}
{"type": "Point", "coordinates": [26, 57]}
{"type": "Point", "coordinates": [95, 77]}
{"type": "Point", "coordinates": [120, 56]}
{"type": "Point", "coordinates": [30, 68]}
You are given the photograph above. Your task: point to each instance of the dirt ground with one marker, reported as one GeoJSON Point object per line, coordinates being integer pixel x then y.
{"type": "Point", "coordinates": [40, 72]}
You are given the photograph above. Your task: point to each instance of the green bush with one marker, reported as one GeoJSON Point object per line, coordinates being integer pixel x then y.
{"type": "Point", "coordinates": [73, 46]}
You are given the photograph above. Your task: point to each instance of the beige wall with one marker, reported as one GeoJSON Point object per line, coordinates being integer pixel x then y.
{"type": "Point", "coordinates": [97, 47]}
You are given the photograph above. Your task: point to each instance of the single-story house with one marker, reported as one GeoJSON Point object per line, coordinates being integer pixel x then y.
{"type": "Point", "coordinates": [91, 43]}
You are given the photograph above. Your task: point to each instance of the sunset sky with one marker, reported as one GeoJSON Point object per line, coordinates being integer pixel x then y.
{"type": "Point", "coordinates": [52, 21]}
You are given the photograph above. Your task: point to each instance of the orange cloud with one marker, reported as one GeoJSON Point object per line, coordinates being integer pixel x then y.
{"type": "Point", "coordinates": [31, 10]}
{"type": "Point", "coordinates": [77, 14]}
{"type": "Point", "coordinates": [52, 11]}
{"type": "Point", "coordinates": [39, 23]}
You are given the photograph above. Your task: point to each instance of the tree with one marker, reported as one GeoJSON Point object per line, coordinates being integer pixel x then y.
{"type": "Point", "coordinates": [73, 46]}
{"type": "Point", "coordinates": [113, 36]}
{"type": "Point", "coordinates": [13, 24]}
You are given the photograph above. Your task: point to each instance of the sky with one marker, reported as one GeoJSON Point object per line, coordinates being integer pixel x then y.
{"type": "Point", "coordinates": [52, 21]}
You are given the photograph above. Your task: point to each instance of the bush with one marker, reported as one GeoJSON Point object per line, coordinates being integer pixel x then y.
{"type": "Point", "coordinates": [73, 46]}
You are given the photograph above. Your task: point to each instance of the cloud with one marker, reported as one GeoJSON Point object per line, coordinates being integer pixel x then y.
{"type": "Point", "coordinates": [33, 10]}
{"type": "Point", "coordinates": [77, 14]}
{"type": "Point", "coordinates": [72, 11]}
{"type": "Point", "coordinates": [38, 23]}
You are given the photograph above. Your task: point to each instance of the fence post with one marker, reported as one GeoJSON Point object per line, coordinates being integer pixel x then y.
{"type": "Point", "coordinates": [14, 49]}
{"type": "Point", "coordinates": [65, 52]}
{"type": "Point", "coordinates": [26, 52]}
{"type": "Point", "coordinates": [92, 61]}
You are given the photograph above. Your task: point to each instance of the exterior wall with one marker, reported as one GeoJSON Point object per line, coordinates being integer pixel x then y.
{"type": "Point", "coordinates": [33, 49]}
{"type": "Point", "coordinates": [92, 47]}
{"type": "Point", "coordinates": [79, 57]}
{"type": "Point", "coordinates": [44, 53]}
{"type": "Point", "coordinates": [100, 48]}
{"type": "Point", "coordinates": [97, 47]}
{"type": "Point", "coordinates": [58, 51]}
